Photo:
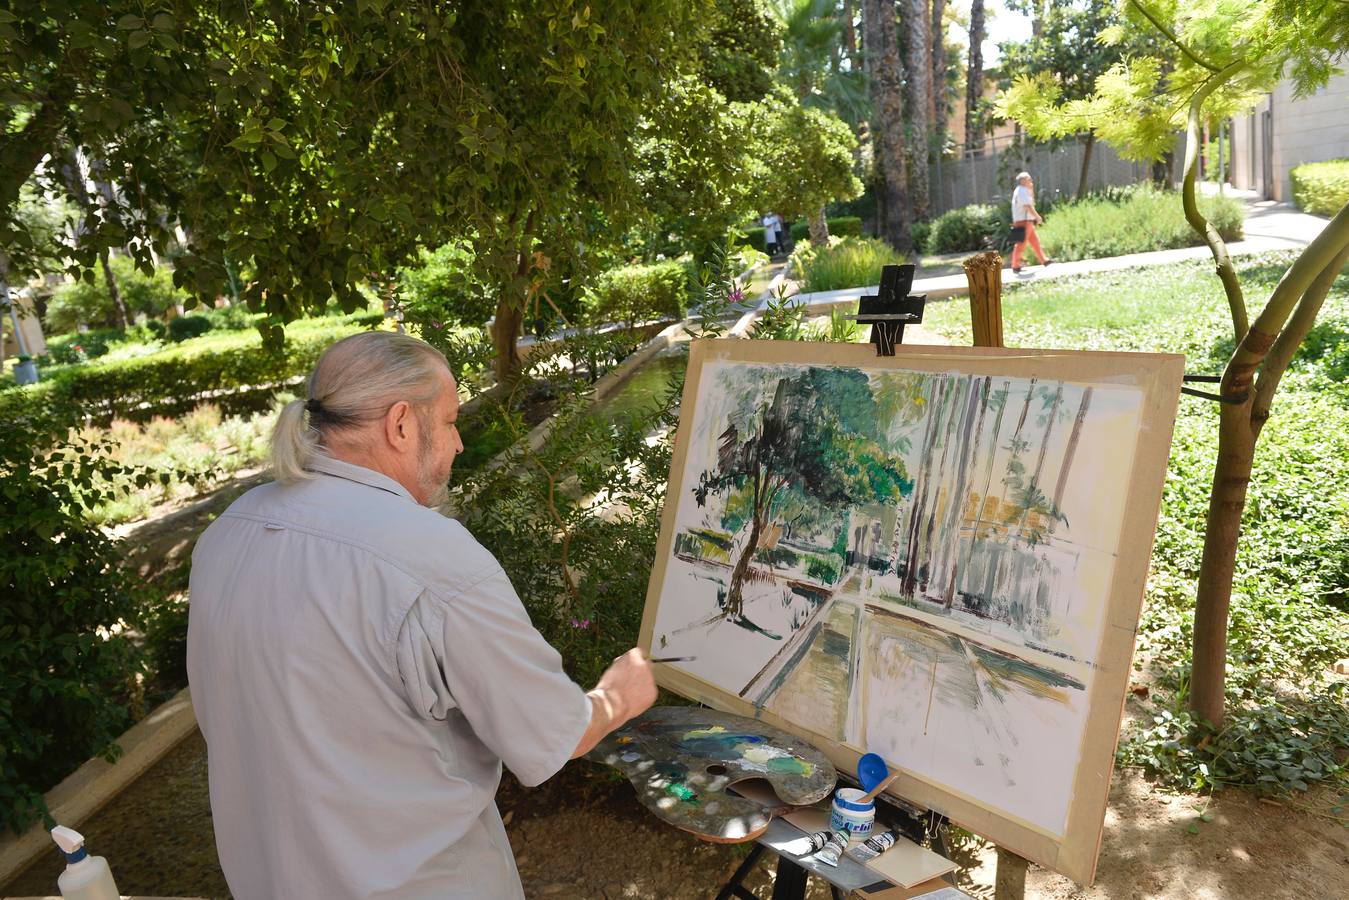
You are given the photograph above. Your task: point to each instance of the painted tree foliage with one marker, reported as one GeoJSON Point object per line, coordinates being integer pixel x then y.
{"type": "Point", "coordinates": [808, 438]}
{"type": "Point", "coordinates": [1217, 58]}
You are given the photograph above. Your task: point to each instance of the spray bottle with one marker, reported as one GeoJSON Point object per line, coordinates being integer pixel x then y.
{"type": "Point", "coordinates": [86, 877]}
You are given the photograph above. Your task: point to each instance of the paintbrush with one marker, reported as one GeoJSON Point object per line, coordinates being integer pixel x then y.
{"type": "Point", "coordinates": [672, 659]}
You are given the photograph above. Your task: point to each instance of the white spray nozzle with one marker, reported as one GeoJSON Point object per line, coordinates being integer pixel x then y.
{"type": "Point", "coordinates": [68, 839]}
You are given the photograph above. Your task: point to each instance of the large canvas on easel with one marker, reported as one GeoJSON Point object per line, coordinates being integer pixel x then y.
{"type": "Point", "coordinates": [938, 557]}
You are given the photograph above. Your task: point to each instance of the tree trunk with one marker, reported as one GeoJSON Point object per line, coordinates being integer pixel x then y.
{"type": "Point", "coordinates": [510, 316]}
{"type": "Point", "coordinates": [882, 46]}
{"type": "Point", "coordinates": [919, 96]}
{"type": "Point", "coordinates": [974, 82]}
{"type": "Point", "coordinates": [1083, 178]}
{"type": "Point", "coordinates": [24, 150]}
{"type": "Point", "coordinates": [121, 320]}
{"type": "Point", "coordinates": [1231, 477]}
{"type": "Point", "coordinates": [735, 595]}
{"type": "Point", "coordinates": [939, 112]}
{"type": "Point", "coordinates": [819, 228]}
{"type": "Point", "coordinates": [850, 34]}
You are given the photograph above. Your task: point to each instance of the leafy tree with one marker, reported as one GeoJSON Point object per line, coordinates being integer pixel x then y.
{"type": "Point", "coordinates": [811, 64]}
{"type": "Point", "coordinates": [318, 146]}
{"type": "Point", "coordinates": [814, 440]}
{"type": "Point", "coordinates": [809, 156]}
{"type": "Point", "coordinates": [91, 303]}
{"type": "Point", "coordinates": [741, 49]}
{"type": "Point", "coordinates": [1069, 45]}
{"type": "Point", "coordinates": [1220, 57]}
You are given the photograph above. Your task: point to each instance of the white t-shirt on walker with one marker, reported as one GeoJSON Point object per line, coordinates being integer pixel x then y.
{"type": "Point", "coordinates": [1022, 202]}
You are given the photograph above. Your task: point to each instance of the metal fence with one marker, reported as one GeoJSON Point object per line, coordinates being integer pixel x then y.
{"type": "Point", "coordinates": [990, 177]}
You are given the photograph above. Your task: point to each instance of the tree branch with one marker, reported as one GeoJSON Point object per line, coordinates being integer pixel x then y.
{"type": "Point", "coordinates": [1171, 36]}
{"type": "Point", "coordinates": [1227, 273]}
{"type": "Point", "coordinates": [1292, 336]}
{"type": "Point", "coordinates": [1259, 341]}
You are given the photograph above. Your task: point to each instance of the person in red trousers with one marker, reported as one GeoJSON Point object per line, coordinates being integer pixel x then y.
{"type": "Point", "coordinates": [1024, 215]}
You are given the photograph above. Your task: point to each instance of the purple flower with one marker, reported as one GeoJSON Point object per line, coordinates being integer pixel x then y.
{"type": "Point", "coordinates": [437, 325]}
{"type": "Point", "coordinates": [736, 295]}
{"type": "Point", "coordinates": [580, 623]}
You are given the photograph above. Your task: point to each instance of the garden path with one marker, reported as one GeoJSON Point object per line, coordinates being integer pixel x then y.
{"type": "Point", "coordinates": [1269, 226]}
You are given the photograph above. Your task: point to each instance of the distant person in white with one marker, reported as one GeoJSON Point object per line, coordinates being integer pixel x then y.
{"type": "Point", "coordinates": [360, 665]}
{"type": "Point", "coordinates": [1024, 215]}
{"type": "Point", "coordinates": [770, 234]}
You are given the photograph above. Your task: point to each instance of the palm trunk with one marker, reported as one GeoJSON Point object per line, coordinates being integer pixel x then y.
{"type": "Point", "coordinates": [882, 46]}
{"type": "Point", "coordinates": [919, 84]}
{"type": "Point", "coordinates": [938, 75]}
{"type": "Point", "coordinates": [974, 82]}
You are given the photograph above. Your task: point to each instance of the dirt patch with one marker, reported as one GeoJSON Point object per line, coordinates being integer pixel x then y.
{"type": "Point", "coordinates": [583, 835]}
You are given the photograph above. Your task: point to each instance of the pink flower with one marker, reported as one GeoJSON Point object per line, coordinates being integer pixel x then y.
{"type": "Point", "coordinates": [580, 623]}
{"type": "Point", "coordinates": [736, 295]}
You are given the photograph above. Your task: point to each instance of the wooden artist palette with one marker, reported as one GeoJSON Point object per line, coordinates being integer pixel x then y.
{"type": "Point", "coordinates": [682, 760]}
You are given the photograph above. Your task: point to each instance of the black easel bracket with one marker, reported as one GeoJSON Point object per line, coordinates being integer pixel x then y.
{"type": "Point", "coordinates": [888, 312]}
{"type": "Point", "coordinates": [1217, 398]}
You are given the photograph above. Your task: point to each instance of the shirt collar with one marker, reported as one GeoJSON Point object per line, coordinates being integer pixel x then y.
{"type": "Point", "coordinates": [327, 465]}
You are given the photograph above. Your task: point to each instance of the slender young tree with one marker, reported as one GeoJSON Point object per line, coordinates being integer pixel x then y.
{"type": "Point", "coordinates": [1218, 58]}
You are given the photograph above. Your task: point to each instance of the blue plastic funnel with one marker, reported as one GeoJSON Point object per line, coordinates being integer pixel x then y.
{"type": "Point", "coordinates": [871, 770]}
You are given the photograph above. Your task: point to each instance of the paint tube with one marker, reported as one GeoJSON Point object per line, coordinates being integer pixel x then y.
{"type": "Point", "coordinates": [807, 845]}
{"type": "Point", "coordinates": [829, 856]}
{"type": "Point", "coordinates": [874, 846]}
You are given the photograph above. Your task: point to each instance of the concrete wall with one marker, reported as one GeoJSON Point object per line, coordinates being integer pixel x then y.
{"type": "Point", "coordinates": [1284, 132]}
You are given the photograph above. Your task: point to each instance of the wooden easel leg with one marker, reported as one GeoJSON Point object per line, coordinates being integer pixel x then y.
{"type": "Point", "coordinates": [1010, 883]}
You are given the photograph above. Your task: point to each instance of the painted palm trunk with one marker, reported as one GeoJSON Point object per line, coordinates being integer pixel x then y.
{"type": "Point", "coordinates": [916, 561]}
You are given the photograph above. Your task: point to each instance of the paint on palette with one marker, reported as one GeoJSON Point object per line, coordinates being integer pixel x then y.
{"type": "Point", "coordinates": [906, 562]}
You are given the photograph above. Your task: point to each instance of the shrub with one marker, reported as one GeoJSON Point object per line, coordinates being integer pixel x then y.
{"type": "Point", "coordinates": [921, 233]}
{"type": "Point", "coordinates": [639, 293]}
{"type": "Point", "coordinates": [1321, 188]}
{"type": "Point", "coordinates": [444, 287]}
{"type": "Point", "coordinates": [1137, 220]}
{"type": "Point", "coordinates": [179, 378]}
{"type": "Point", "coordinates": [845, 263]}
{"type": "Point", "coordinates": [187, 327]}
{"type": "Point", "coordinates": [839, 226]}
{"type": "Point", "coordinates": [968, 228]}
{"type": "Point", "coordinates": [67, 668]}
{"type": "Point", "coordinates": [89, 303]}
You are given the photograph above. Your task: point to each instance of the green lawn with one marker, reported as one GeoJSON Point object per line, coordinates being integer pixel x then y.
{"type": "Point", "coordinates": [1290, 608]}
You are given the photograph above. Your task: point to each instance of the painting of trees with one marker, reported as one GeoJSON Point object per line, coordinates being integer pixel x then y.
{"type": "Point", "coordinates": [814, 439]}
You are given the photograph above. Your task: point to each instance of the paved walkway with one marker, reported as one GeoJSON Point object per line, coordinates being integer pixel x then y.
{"type": "Point", "coordinates": [1269, 226]}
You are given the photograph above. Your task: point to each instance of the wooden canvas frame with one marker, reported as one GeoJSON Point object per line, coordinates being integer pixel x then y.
{"type": "Point", "coordinates": [1158, 377]}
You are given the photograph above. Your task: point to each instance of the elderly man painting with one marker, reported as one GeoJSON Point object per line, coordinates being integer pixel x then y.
{"type": "Point", "coordinates": [360, 665]}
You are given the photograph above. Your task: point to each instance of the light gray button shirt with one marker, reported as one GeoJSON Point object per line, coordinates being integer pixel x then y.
{"type": "Point", "coordinates": [361, 667]}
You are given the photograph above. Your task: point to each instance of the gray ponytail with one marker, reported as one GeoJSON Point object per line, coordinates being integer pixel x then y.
{"type": "Point", "coordinates": [356, 381]}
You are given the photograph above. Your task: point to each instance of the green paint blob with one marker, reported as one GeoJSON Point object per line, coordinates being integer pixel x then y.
{"type": "Point", "coordinates": [682, 791]}
{"type": "Point", "coordinates": [790, 765]}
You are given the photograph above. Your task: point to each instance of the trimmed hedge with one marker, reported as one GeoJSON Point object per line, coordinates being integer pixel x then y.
{"type": "Point", "coordinates": [1139, 220]}
{"type": "Point", "coordinates": [839, 226]}
{"type": "Point", "coordinates": [1321, 188]}
{"type": "Point", "coordinates": [236, 373]}
{"type": "Point", "coordinates": [638, 293]}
